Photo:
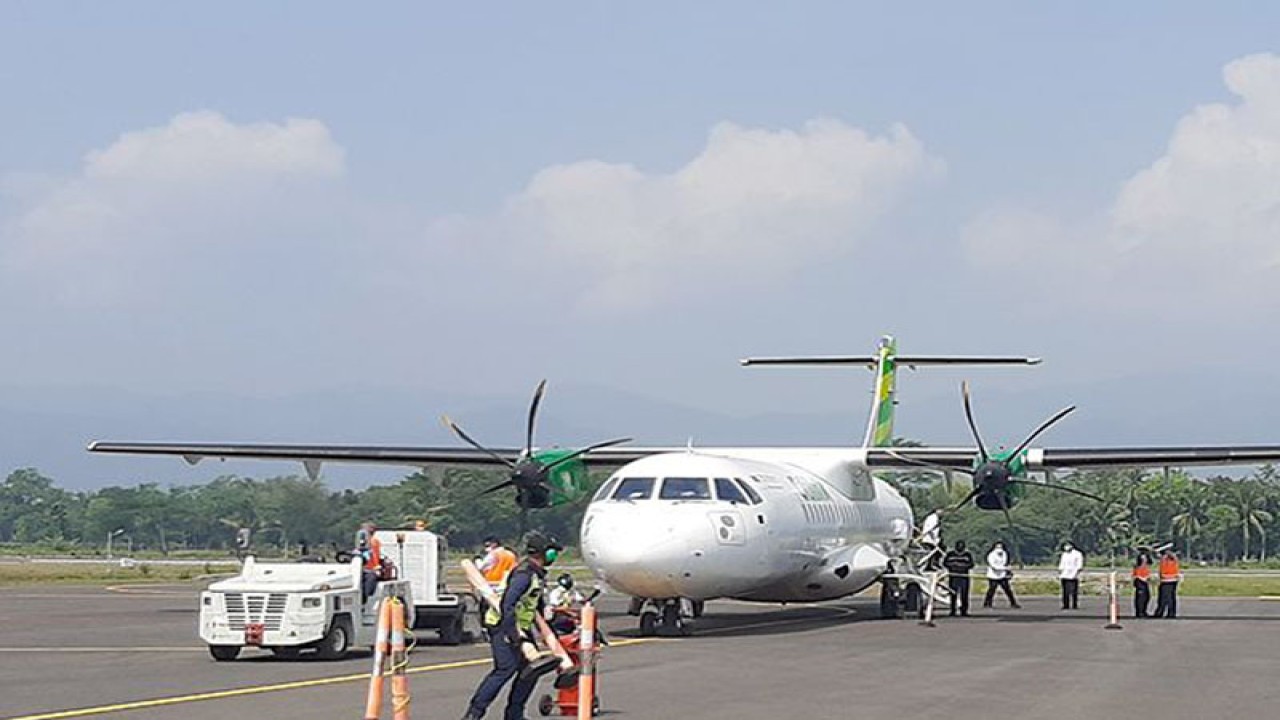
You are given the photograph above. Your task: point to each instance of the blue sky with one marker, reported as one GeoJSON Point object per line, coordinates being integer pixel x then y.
{"type": "Point", "coordinates": [470, 197]}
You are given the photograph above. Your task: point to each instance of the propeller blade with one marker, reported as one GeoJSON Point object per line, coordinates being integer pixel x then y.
{"type": "Point", "coordinates": [533, 417]}
{"type": "Point", "coordinates": [1063, 488]}
{"type": "Point", "coordinates": [468, 440]}
{"type": "Point", "coordinates": [500, 486]}
{"type": "Point", "coordinates": [973, 427]}
{"type": "Point", "coordinates": [1043, 426]}
{"type": "Point", "coordinates": [967, 498]}
{"type": "Point", "coordinates": [469, 498]}
{"type": "Point", "coordinates": [1013, 529]}
{"type": "Point", "coordinates": [583, 451]}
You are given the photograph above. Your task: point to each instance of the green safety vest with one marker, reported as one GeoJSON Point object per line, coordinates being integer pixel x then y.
{"type": "Point", "coordinates": [526, 608]}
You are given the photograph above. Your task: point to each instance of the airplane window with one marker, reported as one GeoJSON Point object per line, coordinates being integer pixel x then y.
{"type": "Point", "coordinates": [676, 488]}
{"type": "Point", "coordinates": [751, 492]}
{"type": "Point", "coordinates": [605, 489]}
{"type": "Point", "coordinates": [726, 490]}
{"type": "Point", "coordinates": [634, 489]}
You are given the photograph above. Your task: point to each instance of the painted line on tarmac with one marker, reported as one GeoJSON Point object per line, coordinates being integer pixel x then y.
{"type": "Point", "coordinates": [261, 689]}
{"type": "Point", "coordinates": [141, 589]}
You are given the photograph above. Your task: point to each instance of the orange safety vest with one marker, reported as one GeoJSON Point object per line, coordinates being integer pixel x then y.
{"type": "Point", "coordinates": [1169, 570]}
{"type": "Point", "coordinates": [502, 565]}
{"type": "Point", "coordinates": [1142, 572]}
{"type": "Point", "coordinates": [374, 560]}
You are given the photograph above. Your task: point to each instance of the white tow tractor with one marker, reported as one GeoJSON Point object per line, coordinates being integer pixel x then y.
{"type": "Point", "coordinates": [291, 607]}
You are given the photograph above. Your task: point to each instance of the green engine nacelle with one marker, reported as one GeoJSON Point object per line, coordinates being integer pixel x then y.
{"type": "Point", "coordinates": [568, 481]}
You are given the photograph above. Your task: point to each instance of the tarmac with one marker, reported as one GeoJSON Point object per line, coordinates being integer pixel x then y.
{"type": "Point", "coordinates": [133, 653]}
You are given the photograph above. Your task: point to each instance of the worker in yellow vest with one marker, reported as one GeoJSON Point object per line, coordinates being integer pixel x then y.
{"type": "Point", "coordinates": [522, 600]}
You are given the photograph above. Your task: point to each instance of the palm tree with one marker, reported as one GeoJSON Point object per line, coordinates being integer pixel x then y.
{"type": "Point", "coordinates": [1189, 523]}
{"type": "Point", "coordinates": [1249, 501]}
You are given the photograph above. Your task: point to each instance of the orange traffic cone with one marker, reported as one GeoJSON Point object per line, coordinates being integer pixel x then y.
{"type": "Point", "coordinates": [373, 703]}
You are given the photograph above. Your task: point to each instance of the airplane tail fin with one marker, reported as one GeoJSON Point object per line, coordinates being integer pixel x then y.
{"type": "Point", "coordinates": [885, 364]}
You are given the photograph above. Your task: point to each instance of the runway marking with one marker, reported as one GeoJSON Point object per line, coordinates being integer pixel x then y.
{"type": "Point", "coordinates": [261, 689]}
{"type": "Point", "coordinates": [142, 589]}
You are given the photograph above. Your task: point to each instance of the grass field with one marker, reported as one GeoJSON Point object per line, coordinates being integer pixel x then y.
{"type": "Point", "coordinates": [12, 574]}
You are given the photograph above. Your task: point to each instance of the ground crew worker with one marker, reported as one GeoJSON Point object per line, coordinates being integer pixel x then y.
{"type": "Point", "coordinates": [1170, 574]}
{"type": "Point", "coordinates": [959, 563]}
{"type": "Point", "coordinates": [369, 547]}
{"type": "Point", "coordinates": [1069, 567]}
{"type": "Point", "coordinates": [998, 576]}
{"type": "Point", "coordinates": [563, 597]}
{"type": "Point", "coordinates": [522, 600]}
{"type": "Point", "coordinates": [1141, 585]}
{"type": "Point", "coordinates": [497, 562]}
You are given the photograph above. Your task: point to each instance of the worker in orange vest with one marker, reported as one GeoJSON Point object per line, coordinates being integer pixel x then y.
{"type": "Point", "coordinates": [498, 561]}
{"type": "Point", "coordinates": [369, 548]}
{"type": "Point", "coordinates": [1141, 584]}
{"type": "Point", "coordinates": [1170, 574]}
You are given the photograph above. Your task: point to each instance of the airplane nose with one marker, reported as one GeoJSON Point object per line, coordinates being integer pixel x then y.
{"type": "Point", "coordinates": [645, 554]}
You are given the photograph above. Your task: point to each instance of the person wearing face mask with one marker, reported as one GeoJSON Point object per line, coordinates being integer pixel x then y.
{"type": "Point", "coordinates": [1069, 567]}
{"type": "Point", "coordinates": [998, 576]}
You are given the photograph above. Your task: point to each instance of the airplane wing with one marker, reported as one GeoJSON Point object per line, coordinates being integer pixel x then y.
{"type": "Point", "coordinates": [313, 456]}
{"type": "Point", "coordinates": [903, 458]}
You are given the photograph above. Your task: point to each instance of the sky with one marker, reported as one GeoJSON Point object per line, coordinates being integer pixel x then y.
{"type": "Point", "coordinates": [266, 200]}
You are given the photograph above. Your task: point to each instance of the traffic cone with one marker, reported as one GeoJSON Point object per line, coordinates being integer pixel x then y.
{"type": "Point", "coordinates": [587, 661]}
{"type": "Point", "coordinates": [373, 703]}
{"type": "Point", "coordinates": [399, 661]}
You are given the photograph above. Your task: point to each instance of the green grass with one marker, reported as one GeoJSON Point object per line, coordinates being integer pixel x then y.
{"type": "Point", "coordinates": [27, 574]}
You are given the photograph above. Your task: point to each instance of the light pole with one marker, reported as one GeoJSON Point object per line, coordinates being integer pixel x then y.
{"type": "Point", "coordinates": [110, 535]}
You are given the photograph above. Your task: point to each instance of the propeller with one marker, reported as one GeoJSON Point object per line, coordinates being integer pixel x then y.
{"type": "Point", "coordinates": [994, 473]}
{"type": "Point", "coordinates": [529, 475]}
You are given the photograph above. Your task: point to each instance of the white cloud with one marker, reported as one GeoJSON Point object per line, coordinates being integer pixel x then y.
{"type": "Point", "coordinates": [753, 205]}
{"type": "Point", "coordinates": [167, 196]}
{"type": "Point", "coordinates": [203, 146]}
{"type": "Point", "coordinates": [1196, 231]}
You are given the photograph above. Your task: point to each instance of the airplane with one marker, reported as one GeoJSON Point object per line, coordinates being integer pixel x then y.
{"type": "Point", "coordinates": [674, 527]}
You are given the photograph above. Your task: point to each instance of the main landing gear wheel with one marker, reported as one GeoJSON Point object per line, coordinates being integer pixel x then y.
{"type": "Point", "coordinates": [914, 599]}
{"type": "Point", "coordinates": [890, 607]}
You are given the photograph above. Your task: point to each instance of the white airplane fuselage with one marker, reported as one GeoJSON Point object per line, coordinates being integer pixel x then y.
{"type": "Point", "coordinates": [771, 525]}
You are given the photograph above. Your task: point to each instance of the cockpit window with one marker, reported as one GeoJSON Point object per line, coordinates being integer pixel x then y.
{"type": "Point", "coordinates": [727, 491]}
{"type": "Point", "coordinates": [751, 492]}
{"type": "Point", "coordinates": [678, 488]}
{"type": "Point", "coordinates": [605, 489]}
{"type": "Point", "coordinates": [634, 489]}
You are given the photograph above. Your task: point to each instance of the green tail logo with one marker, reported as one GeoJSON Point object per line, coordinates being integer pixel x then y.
{"type": "Point", "coordinates": [880, 427]}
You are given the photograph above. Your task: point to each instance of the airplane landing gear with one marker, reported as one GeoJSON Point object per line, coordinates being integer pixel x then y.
{"type": "Point", "coordinates": [890, 600]}
{"type": "Point", "coordinates": [666, 617]}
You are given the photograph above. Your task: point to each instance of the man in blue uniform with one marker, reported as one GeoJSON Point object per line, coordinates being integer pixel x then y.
{"type": "Point", "coordinates": [522, 600]}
